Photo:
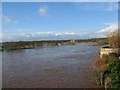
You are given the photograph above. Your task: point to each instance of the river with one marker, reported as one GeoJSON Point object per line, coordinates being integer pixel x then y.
{"type": "Point", "coordinates": [50, 67]}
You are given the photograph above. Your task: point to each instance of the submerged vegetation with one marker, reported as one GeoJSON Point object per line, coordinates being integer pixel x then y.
{"type": "Point", "coordinates": [6, 46]}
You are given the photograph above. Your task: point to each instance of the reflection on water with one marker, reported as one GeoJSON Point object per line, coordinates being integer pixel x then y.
{"type": "Point", "coordinates": [60, 66]}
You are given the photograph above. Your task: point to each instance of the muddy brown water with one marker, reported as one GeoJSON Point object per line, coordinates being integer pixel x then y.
{"type": "Point", "coordinates": [50, 67]}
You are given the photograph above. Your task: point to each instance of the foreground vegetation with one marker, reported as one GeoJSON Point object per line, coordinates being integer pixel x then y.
{"type": "Point", "coordinates": [6, 46]}
{"type": "Point", "coordinates": [107, 67]}
{"type": "Point", "coordinates": [107, 70]}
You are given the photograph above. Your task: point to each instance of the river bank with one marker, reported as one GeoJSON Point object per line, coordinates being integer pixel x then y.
{"type": "Point", "coordinates": [106, 68]}
{"type": "Point", "coordinates": [7, 46]}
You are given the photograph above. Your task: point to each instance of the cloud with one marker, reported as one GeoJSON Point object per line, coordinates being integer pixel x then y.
{"type": "Point", "coordinates": [43, 10]}
{"type": "Point", "coordinates": [102, 6]}
{"type": "Point", "coordinates": [109, 29]}
{"type": "Point", "coordinates": [112, 6]}
{"type": "Point", "coordinates": [46, 36]}
{"type": "Point", "coordinates": [6, 19]}
{"type": "Point", "coordinates": [0, 37]}
{"type": "Point", "coordinates": [37, 36]}
{"type": "Point", "coordinates": [51, 36]}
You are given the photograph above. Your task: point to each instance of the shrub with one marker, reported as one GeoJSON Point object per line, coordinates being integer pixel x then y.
{"type": "Point", "coordinates": [102, 42]}
{"type": "Point", "coordinates": [108, 67]}
{"type": "Point", "coordinates": [114, 41]}
{"type": "Point", "coordinates": [114, 73]}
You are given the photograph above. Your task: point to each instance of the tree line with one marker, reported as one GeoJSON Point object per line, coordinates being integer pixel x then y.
{"type": "Point", "coordinates": [37, 44]}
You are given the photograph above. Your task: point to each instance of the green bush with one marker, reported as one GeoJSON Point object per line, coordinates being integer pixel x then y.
{"type": "Point", "coordinates": [111, 73]}
{"type": "Point", "coordinates": [114, 73]}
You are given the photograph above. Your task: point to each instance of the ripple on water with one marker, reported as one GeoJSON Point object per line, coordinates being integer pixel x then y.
{"type": "Point", "coordinates": [62, 66]}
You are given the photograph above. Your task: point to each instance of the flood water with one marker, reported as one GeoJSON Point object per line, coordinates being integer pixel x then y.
{"type": "Point", "coordinates": [50, 67]}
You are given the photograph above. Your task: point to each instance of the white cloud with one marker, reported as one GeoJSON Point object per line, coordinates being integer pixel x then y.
{"type": "Point", "coordinates": [112, 6]}
{"type": "Point", "coordinates": [37, 36]}
{"type": "Point", "coordinates": [6, 19]}
{"type": "Point", "coordinates": [0, 35]}
{"type": "Point", "coordinates": [43, 10]}
{"type": "Point", "coordinates": [109, 29]}
{"type": "Point", "coordinates": [50, 36]}
{"type": "Point", "coordinates": [46, 36]}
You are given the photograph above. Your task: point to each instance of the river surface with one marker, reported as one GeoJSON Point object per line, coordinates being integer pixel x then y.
{"type": "Point", "coordinates": [50, 67]}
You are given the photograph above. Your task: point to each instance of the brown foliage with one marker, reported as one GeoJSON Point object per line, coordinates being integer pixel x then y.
{"type": "Point", "coordinates": [114, 41]}
{"type": "Point", "coordinates": [100, 64]}
{"type": "Point", "coordinates": [102, 42]}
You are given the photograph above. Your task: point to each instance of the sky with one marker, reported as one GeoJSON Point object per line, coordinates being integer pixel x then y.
{"type": "Point", "coordinates": [29, 21]}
